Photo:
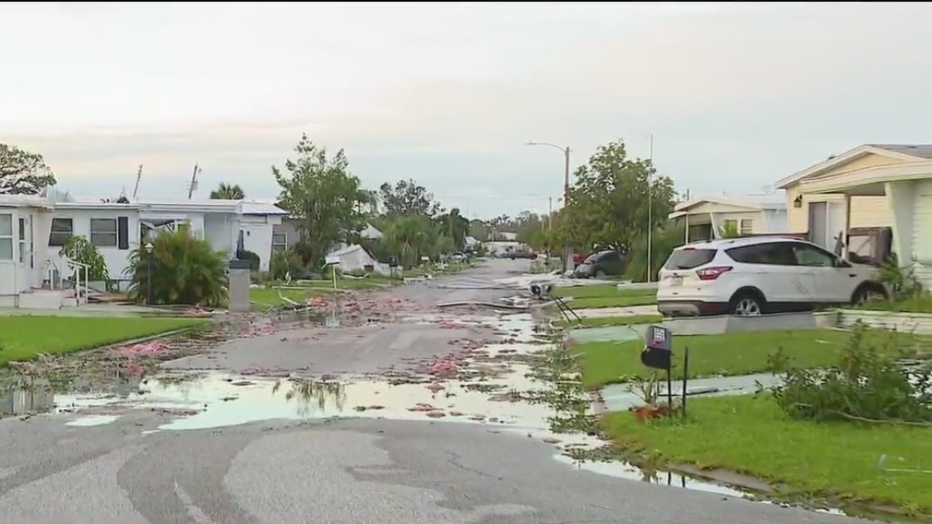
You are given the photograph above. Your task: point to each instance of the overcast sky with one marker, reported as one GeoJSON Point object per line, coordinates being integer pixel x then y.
{"type": "Point", "coordinates": [736, 95]}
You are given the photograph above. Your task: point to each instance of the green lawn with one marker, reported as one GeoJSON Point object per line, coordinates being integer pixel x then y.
{"type": "Point", "coordinates": [920, 304]}
{"type": "Point", "coordinates": [610, 321]}
{"type": "Point", "coordinates": [728, 354]}
{"type": "Point", "coordinates": [753, 436]}
{"type": "Point", "coordinates": [24, 336]}
{"type": "Point", "coordinates": [606, 295]}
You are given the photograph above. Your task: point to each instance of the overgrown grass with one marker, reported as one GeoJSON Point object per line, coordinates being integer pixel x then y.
{"type": "Point", "coordinates": [751, 435]}
{"type": "Point", "coordinates": [728, 354]}
{"type": "Point", "coordinates": [917, 304]}
{"type": "Point", "coordinates": [610, 321]}
{"type": "Point", "coordinates": [607, 295]}
{"type": "Point", "coordinates": [22, 337]}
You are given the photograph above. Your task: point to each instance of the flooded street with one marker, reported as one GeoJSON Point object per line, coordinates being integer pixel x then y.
{"type": "Point", "coordinates": [395, 411]}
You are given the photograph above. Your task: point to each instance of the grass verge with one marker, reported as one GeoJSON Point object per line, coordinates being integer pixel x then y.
{"type": "Point", "coordinates": [919, 304]}
{"type": "Point", "coordinates": [22, 337]}
{"type": "Point", "coordinates": [610, 321]}
{"type": "Point", "coordinates": [751, 435]}
{"type": "Point", "coordinates": [263, 298]}
{"type": "Point", "coordinates": [607, 295]}
{"type": "Point", "coordinates": [728, 354]}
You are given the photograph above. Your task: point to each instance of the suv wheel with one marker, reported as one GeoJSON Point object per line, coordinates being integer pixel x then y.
{"type": "Point", "coordinates": [746, 304]}
{"type": "Point", "coordinates": [867, 293]}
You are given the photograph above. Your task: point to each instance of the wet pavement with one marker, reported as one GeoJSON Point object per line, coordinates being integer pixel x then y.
{"type": "Point", "coordinates": [385, 409]}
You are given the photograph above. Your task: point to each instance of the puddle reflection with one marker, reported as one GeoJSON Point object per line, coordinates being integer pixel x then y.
{"type": "Point", "coordinates": [667, 478]}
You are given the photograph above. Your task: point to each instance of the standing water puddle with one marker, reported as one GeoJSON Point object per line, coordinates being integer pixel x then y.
{"type": "Point", "coordinates": [481, 393]}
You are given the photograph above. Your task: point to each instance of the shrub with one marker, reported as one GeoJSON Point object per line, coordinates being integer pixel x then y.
{"type": "Point", "coordinates": [285, 262]}
{"type": "Point", "coordinates": [254, 260]}
{"type": "Point", "coordinates": [867, 385]}
{"type": "Point", "coordinates": [185, 270]}
{"type": "Point", "coordinates": [79, 249]}
{"type": "Point", "coordinates": [663, 242]}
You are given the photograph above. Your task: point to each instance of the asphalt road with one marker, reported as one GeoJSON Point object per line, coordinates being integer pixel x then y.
{"type": "Point", "coordinates": [346, 471]}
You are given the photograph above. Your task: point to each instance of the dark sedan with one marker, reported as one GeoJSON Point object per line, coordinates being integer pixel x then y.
{"type": "Point", "coordinates": [601, 265]}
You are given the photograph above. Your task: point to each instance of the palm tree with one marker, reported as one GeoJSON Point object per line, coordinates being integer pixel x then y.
{"type": "Point", "coordinates": [227, 192]}
{"type": "Point", "coordinates": [456, 227]}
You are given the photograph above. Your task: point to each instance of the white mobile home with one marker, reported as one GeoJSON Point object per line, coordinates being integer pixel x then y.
{"type": "Point", "coordinates": [259, 221]}
{"type": "Point", "coordinates": [24, 226]}
{"type": "Point", "coordinates": [705, 217]}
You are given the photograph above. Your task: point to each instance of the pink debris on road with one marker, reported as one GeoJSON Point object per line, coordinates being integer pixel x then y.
{"type": "Point", "coordinates": [146, 348]}
{"type": "Point", "coordinates": [443, 367]}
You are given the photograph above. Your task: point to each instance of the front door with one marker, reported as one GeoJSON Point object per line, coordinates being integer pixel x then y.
{"type": "Point", "coordinates": [25, 255]}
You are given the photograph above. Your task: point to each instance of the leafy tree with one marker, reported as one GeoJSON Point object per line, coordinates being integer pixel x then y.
{"type": "Point", "coordinates": [22, 172]}
{"type": "Point", "coordinates": [407, 197]}
{"type": "Point", "coordinates": [671, 236]}
{"type": "Point", "coordinates": [528, 224]}
{"type": "Point", "coordinates": [328, 200]}
{"type": "Point", "coordinates": [608, 204]}
{"type": "Point", "coordinates": [79, 249]}
{"type": "Point", "coordinates": [227, 192]}
{"type": "Point", "coordinates": [456, 227]}
{"type": "Point", "coordinates": [409, 236]}
{"type": "Point", "coordinates": [185, 269]}
{"type": "Point", "coordinates": [479, 230]}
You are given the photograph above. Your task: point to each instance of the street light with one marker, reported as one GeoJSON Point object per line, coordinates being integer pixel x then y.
{"type": "Point", "coordinates": [149, 248]}
{"type": "Point", "coordinates": [566, 188]}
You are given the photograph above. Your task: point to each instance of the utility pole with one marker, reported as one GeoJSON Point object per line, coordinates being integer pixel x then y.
{"type": "Point", "coordinates": [193, 180]}
{"type": "Point", "coordinates": [138, 178]}
{"type": "Point", "coordinates": [566, 190]}
{"type": "Point", "coordinates": [550, 213]}
{"type": "Point", "coordinates": [650, 211]}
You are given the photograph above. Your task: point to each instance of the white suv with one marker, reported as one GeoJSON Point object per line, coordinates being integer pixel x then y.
{"type": "Point", "coordinates": [755, 275]}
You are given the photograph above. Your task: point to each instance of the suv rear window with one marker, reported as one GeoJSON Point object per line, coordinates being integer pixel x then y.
{"type": "Point", "coordinates": [689, 258]}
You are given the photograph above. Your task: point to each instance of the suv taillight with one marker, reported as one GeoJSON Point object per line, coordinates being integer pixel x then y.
{"type": "Point", "coordinates": [711, 273]}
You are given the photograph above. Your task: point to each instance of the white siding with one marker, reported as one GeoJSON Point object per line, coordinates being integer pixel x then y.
{"type": "Point", "coordinates": [257, 237]}
{"type": "Point", "coordinates": [922, 232]}
{"type": "Point", "coordinates": [116, 259]}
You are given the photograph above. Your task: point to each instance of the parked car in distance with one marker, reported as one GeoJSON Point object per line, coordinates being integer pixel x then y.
{"type": "Point", "coordinates": [579, 258]}
{"type": "Point", "coordinates": [601, 265]}
{"type": "Point", "coordinates": [757, 275]}
{"type": "Point", "coordinates": [458, 257]}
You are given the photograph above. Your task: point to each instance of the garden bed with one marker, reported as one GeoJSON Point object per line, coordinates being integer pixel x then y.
{"type": "Point", "coordinates": [918, 323]}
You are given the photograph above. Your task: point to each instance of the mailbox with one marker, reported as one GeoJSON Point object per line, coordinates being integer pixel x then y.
{"type": "Point", "coordinates": [658, 351]}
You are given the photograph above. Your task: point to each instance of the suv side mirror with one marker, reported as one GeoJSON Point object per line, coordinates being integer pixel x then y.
{"type": "Point", "coordinates": [840, 262]}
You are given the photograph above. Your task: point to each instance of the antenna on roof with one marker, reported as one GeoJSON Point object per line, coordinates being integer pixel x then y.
{"type": "Point", "coordinates": [193, 185]}
{"type": "Point", "coordinates": [138, 178]}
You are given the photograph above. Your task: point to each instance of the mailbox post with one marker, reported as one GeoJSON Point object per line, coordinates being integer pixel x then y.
{"type": "Point", "coordinates": [658, 354]}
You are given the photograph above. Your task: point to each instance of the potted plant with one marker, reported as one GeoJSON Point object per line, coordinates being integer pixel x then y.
{"type": "Point", "coordinates": [648, 390]}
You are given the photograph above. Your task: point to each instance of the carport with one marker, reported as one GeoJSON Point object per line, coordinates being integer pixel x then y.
{"type": "Point", "coordinates": [908, 191]}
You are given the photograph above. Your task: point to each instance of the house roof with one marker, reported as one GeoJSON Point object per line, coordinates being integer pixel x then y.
{"type": "Point", "coordinates": [755, 202]}
{"type": "Point", "coordinates": [902, 152]}
{"type": "Point", "coordinates": [25, 201]}
{"type": "Point", "coordinates": [252, 207]}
